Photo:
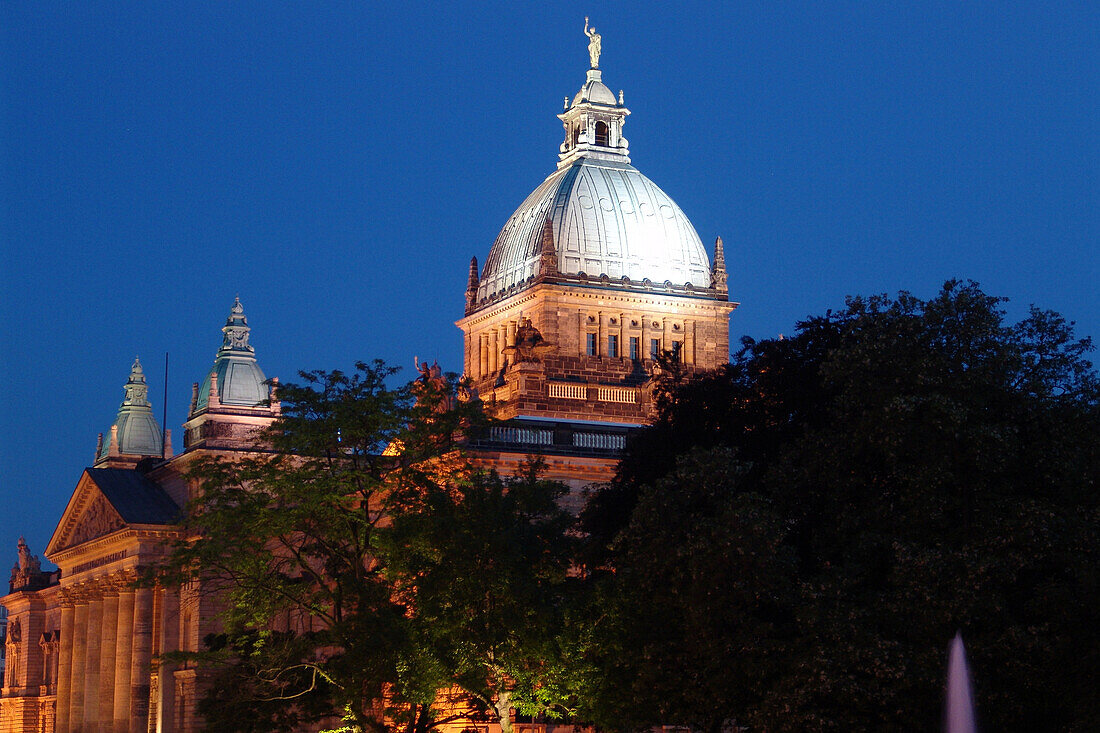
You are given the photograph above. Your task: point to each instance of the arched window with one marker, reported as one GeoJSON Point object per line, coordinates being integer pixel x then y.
{"type": "Point", "coordinates": [602, 137]}
{"type": "Point", "coordinates": [576, 134]}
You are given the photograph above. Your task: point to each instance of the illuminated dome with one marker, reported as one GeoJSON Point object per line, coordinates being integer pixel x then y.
{"type": "Point", "coordinates": [606, 219]}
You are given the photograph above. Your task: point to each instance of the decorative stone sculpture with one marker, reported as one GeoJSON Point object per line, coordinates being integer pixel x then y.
{"type": "Point", "coordinates": [26, 571]}
{"type": "Point", "coordinates": [593, 44]}
{"type": "Point", "coordinates": [530, 345]}
{"type": "Point", "coordinates": [432, 381]}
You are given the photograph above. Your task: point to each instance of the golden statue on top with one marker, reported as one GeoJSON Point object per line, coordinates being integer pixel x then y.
{"type": "Point", "coordinates": [593, 44]}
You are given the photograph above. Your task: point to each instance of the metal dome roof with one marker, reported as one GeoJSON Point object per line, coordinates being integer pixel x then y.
{"type": "Point", "coordinates": [594, 90]}
{"type": "Point", "coordinates": [607, 219]}
{"type": "Point", "coordinates": [137, 430]}
{"type": "Point", "coordinates": [240, 380]}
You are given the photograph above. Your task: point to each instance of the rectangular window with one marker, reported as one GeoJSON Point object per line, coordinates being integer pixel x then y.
{"type": "Point", "coordinates": [654, 348]}
{"type": "Point", "coordinates": [613, 346]}
{"type": "Point", "coordinates": [634, 348]}
{"type": "Point", "coordinates": [591, 344]}
{"type": "Point", "coordinates": [676, 350]}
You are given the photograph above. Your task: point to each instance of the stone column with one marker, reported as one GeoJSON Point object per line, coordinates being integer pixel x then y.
{"type": "Point", "coordinates": [107, 660]}
{"type": "Point", "coordinates": [123, 658]}
{"type": "Point", "coordinates": [482, 355]}
{"type": "Point", "coordinates": [141, 656]}
{"type": "Point", "coordinates": [169, 642]}
{"type": "Point", "coordinates": [64, 664]}
{"type": "Point", "coordinates": [92, 690]}
{"type": "Point", "coordinates": [80, 654]}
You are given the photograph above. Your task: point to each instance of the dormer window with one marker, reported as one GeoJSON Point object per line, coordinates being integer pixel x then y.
{"type": "Point", "coordinates": [602, 136]}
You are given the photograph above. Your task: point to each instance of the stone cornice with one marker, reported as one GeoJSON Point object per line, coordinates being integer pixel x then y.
{"type": "Point", "coordinates": [123, 539]}
{"type": "Point", "coordinates": [99, 586]}
{"type": "Point", "coordinates": [593, 288]}
{"type": "Point", "coordinates": [605, 282]}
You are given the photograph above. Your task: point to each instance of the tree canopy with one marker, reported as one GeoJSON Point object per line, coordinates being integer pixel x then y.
{"type": "Point", "coordinates": [366, 567]}
{"type": "Point", "coordinates": [790, 546]}
{"type": "Point", "coordinates": [798, 536]}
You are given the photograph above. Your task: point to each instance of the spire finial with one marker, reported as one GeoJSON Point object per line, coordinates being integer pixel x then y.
{"type": "Point", "coordinates": [548, 257]}
{"type": "Point", "coordinates": [472, 282]}
{"type": "Point", "coordinates": [719, 279]}
{"type": "Point", "coordinates": [136, 388]}
{"type": "Point", "coordinates": [236, 328]}
{"type": "Point", "coordinates": [593, 44]}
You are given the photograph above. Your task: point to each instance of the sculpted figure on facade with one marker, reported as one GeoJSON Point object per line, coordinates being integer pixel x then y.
{"type": "Point", "coordinates": [593, 44]}
{"type": "Point", "coordinates": [530, 345]}
{"type": "Point", "coordinates": [27, 569]}
{"type": "Point", "coordinates": [432, 381]}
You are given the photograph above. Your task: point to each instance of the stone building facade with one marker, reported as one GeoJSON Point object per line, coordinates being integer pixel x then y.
{"type": "Point", "coordinates": [595, 280]}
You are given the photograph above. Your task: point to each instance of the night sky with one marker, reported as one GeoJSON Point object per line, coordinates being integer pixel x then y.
{"type": "Point", "coordinates": [337, 167]}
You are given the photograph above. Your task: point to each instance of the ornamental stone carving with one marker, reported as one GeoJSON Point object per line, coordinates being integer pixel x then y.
{"type": "Point", "coordinates": [15, 632]}
{"type": "Point", "coordinates": [98, 519]}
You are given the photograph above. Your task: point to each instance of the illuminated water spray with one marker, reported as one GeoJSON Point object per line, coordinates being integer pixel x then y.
{"type": "Point", "coordinates": [958, 715]}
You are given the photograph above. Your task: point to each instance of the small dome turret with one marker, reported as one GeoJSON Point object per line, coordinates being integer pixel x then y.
{"type": "Point", "coordinates": [135, 431]}
{"type": "Point", "coordinates": [595, 91]}
{"type": "Point", "coordinates": [237, 378]}
{"type": "Point", "coordinates": [234, 403]}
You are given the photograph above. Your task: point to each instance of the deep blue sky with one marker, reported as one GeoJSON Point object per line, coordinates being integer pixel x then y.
{"type": "Point", "coordinates": [338, 165]}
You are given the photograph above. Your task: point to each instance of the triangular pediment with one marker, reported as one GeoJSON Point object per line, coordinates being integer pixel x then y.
{"type": "Point", "coordinates": [88, 516]}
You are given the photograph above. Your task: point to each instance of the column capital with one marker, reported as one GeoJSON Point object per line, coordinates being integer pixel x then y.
{"type": "Point", "coordinates": [93, 589]}
{"type": "Point", "coordinates": [122, 581]}
{"type": "Point", "coordinates": [79, 594]}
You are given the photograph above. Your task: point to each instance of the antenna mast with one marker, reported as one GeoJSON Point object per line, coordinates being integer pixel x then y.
{"type": "Point", "coordinates": [164, 411]}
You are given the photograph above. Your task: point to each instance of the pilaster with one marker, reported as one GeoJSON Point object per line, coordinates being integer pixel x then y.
{"type": "Point", "coordinates": [107, 656]}
{"type": "Point", "coordinates": [80, 655]}
{"type": "Point", "coordinates": [141, 657]}
{"type": "Point", "coordinates": [65, 662]}
{"type": "Point", "coordinates": [169, 641]}
{"type": "Point", "coordinates": [123, 658]}
{"type": "Point", "coordinates": [93, 646]}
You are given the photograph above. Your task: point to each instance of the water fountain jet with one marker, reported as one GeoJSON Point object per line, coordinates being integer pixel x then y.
{"type": "Point", "coordinates": [958, 713]}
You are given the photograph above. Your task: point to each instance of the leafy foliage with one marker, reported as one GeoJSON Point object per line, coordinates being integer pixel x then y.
{"type": "Point", "coordinates": [364, 564]}
{"type": "Point", "coordinates": [487, 564]}
{"type": "Point", "coordinates": [826, 511]}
